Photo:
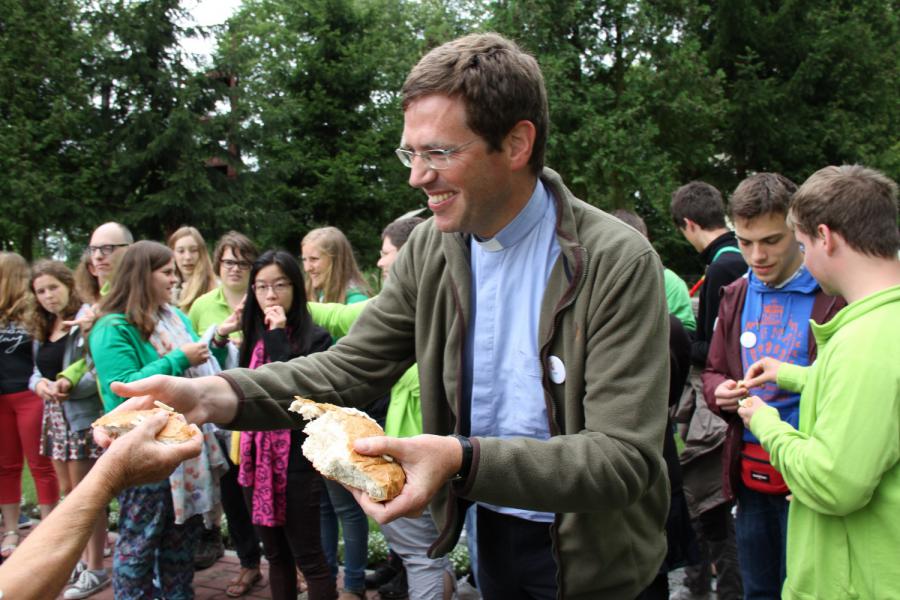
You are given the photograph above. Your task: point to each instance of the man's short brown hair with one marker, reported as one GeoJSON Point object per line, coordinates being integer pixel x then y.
{"type": "Point", "coordinates": [761, 194]}
{"type": "Point", "coordinates": [858, 203]}
{"type": "Point", "coordinates": [699, 202]}
{"type": "Point", "coordinates": [499, 84]}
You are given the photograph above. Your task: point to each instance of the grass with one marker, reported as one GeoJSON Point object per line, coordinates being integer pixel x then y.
{"type": "Point", "coordinates": [28, 491]}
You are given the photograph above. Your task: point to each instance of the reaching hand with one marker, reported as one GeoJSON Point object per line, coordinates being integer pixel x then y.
{"type": "Point", "coordinates": [137, 457]}
{"type": "Point", "coordinates": [765, 370]}
{"type": "Point", "coordinates": [200, 400]}
{"type": "Point", "coordinates": [728, 393]}
{"type": "Point", "coordinates": [429, 461]}
{"type": "Point", "coordinates": [274, 317]}
{"type": "Point", "coordinates": [197, 353]}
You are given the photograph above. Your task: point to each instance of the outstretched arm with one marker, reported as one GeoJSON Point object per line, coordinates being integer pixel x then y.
{"type": "Point", "coordinates": [40, 567]}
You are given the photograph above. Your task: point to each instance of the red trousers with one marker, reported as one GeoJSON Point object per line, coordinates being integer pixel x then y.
{"type": "Point", "coordinates": [20, 433]}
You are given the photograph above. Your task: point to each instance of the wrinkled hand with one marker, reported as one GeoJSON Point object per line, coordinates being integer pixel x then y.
{"type": "Point", "coordinates": [200, 400]}
{"type": "Point", "coordinates": [197, 353]}
{"type": "Point", "coordinates": [136, 457]}
{"type": "Point", "coordinates": [748, 408]}
{"type": "Point", "coordinates": [728, 393]}
{"type": "Point", "coordinates": [429, 461]}
{"type": "Point", "coordinates": [84, 322]}
{"type": "Point", "coordinates": [765, 370]}
{"type": "Point", "coordinates": [274, 317]}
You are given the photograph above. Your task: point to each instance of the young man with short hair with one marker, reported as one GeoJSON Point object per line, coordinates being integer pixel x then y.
{"type": "Point", "coordinates": [842, 461]}
{"type": "Point", "coordinates": [764, 313]}
{"type": "Point", "coordinates": [699, 213]}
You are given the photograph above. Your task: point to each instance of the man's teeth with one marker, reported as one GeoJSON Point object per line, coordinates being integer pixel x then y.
{"type": "Point", "coordinates": [438, 198]}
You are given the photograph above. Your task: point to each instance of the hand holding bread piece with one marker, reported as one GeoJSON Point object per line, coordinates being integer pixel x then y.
{"type": "Point", "coordinates": [329, 446]}
{"type": "Point", "coordinates": [120, 422]}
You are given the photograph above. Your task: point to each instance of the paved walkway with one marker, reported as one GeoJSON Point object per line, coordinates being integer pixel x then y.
{"type": "Point", "coordinates": [211, 583]}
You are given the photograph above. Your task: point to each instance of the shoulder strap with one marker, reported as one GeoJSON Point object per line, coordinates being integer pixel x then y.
{"type": "Point", "coordinates": [723, 250]}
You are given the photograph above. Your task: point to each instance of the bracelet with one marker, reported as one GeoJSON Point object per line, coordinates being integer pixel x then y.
{"type": "Point", "coordinates": [467, 453]}
{"type": "Point", "coordinates": [219, 340]}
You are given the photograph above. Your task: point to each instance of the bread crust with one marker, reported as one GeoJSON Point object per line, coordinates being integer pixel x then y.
{"type": "Point", "coordinates": [120, 422]}
{"type": "Point", "coordinates": [380, 477]}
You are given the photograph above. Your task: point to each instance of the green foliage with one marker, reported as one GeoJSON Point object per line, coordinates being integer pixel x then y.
{"type": "Point", "coordinates": [104, 119]}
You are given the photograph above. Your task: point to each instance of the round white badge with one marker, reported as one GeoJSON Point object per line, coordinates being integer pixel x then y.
{"type": "Point", "coordinates": [557, 370]}
{"type": "Point", "coordinates": [748, 339]}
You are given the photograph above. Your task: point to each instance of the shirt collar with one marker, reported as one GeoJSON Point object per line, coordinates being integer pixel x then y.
{"type": "Point", "coordinates": [517, 229]}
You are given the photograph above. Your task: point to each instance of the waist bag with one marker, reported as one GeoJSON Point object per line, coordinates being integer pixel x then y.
{"type": "Point", "coordinates": [758, 474]}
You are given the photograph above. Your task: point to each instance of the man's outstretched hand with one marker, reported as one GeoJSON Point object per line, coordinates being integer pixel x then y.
{"type": "Point", "coordinates": [429, 461]}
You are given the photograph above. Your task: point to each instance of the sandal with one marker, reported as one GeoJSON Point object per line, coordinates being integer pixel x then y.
{"type": "Point", "coordinates": [7, 549]}
{"type": "Point", "coordinates": [243, 583]}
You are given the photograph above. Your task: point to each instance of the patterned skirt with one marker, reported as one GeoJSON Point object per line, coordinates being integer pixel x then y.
{"type": "Point", "coordinates": [58, 442]}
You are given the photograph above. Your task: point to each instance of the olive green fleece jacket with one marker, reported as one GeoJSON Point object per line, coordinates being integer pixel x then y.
{"type": "Point", "coordinates": [603, 315]}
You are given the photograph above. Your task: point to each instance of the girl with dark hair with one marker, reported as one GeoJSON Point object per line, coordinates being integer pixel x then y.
{"type": "Point", "coordinates": [137, 335]}
{"type": "Point", "coordinates": [69, 409]}
{"type": "Point", "coordinates": [20, 408]}
{"type": "Point", "coordinates": [281, 488]}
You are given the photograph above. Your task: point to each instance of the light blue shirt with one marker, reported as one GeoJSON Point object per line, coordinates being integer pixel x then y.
{"type": "Point", "coordinates": [503, 371]}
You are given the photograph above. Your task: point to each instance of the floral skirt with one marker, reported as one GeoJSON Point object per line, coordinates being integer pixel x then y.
{"type": "Point", "coordinates": [59, 442]}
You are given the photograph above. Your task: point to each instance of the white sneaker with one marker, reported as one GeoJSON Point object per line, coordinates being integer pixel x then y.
{"type": "Point", "coordinates": [80, 567]}
{"type": "Point", "coordinates": [88, 584]}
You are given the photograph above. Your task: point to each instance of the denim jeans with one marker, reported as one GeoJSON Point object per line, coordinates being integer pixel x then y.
{"type": "Point", "coordinates": [338, 503]}
{"type": "Point", "coordinates": [761, 529]}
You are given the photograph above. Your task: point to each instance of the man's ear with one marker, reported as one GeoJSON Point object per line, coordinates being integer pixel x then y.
{"type": "Point", "coordinates": [519, 144]}
{"type": "Point", "coordinates": [829, 238]}
{"type": "Point", "coordinates": [689, 225]}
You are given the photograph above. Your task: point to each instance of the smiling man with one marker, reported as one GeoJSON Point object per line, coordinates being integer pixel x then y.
{"type": "Point", "coordinates": [540, 330]}
{"type": "Point", "coordinates": [765, 313]}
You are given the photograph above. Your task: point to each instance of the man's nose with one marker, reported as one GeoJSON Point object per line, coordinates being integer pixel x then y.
{"type": "Point", "coordinates": [419, 173]}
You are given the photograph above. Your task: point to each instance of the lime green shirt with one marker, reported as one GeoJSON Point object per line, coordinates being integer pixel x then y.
{"type": "Point", "coordinates": [678, 299]}
{"type": "Point", "coordinates": [404, 415]}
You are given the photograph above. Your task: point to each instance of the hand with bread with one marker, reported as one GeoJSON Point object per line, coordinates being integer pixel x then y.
{"type": "Point", "coordinates": [765, 370]}
{"type": "Point", "coordinates": [728, 393]}
{"type": "Point", "coordinates": [136, 457]}
{"type": "Point", "coordinates": [429, 462]}
{"type": "Point", "coordinates": [749, 406]}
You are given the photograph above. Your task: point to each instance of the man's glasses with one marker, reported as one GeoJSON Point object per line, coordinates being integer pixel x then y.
{"type": "Point", "coordinates": [229, 264]}
{"type": "Point", "coordinates": [105, 249]}
{"type": "Point", "coordinates": [279, 288]}
{"type": "Point", "coordinates": [436, 159]}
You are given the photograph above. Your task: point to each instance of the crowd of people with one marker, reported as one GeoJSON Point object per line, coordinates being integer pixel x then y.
{"type": "Point", "coordinates": [530, 358]}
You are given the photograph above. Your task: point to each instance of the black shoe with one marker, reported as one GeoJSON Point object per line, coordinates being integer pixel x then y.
{"type": "Point", "coordinates": [396, 588]}
{"type": "Point", "coordinates": [209, 550]}
{"type": "Point", "coordinates": [383, 574]}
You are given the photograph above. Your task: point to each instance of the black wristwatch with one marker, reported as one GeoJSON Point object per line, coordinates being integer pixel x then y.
{"type": "Point", "coordinates": [467, 452]}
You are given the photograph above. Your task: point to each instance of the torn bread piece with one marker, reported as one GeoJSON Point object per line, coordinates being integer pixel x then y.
{"type": "Point", "coordinates": [331, 432]}
{"type": "Point", "coordinates": [120, 422]}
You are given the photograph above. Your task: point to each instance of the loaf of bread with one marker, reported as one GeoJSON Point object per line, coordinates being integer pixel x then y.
{"type": "Point", "coordinates": [331, 432]}
{"type": "Point", "coordinates": [120, 422]}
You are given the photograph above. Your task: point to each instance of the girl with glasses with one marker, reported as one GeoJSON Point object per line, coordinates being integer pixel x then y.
{"type": "Point", "coordinates": [281, 487]}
